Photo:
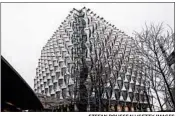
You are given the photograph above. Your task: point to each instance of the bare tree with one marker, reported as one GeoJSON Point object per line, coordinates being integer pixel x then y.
{"type": "Point", "coordinates": [154, 46]}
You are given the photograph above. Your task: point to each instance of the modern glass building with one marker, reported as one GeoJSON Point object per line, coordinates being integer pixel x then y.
{"type": "Point", "coordinates": [90, 65]}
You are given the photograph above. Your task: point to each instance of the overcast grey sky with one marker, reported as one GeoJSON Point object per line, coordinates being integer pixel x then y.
{"type": "Point", "coordinates": [27, 27]}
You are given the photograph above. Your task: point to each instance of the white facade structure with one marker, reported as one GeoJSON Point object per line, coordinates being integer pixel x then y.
{"type": "Point", "coordinates": [104, 49]}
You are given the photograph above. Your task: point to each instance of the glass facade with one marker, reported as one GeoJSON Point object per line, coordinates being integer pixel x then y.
{"type": "Point", "coordinates": [93, 64]}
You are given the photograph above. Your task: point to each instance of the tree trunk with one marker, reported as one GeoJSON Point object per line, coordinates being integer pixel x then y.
{"type": "Point", "coordinates": [147, 97]}
{"type": "Point", "coordinates": [158, 99]}
{"type": "Point", "coordinates": [168, 87]}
